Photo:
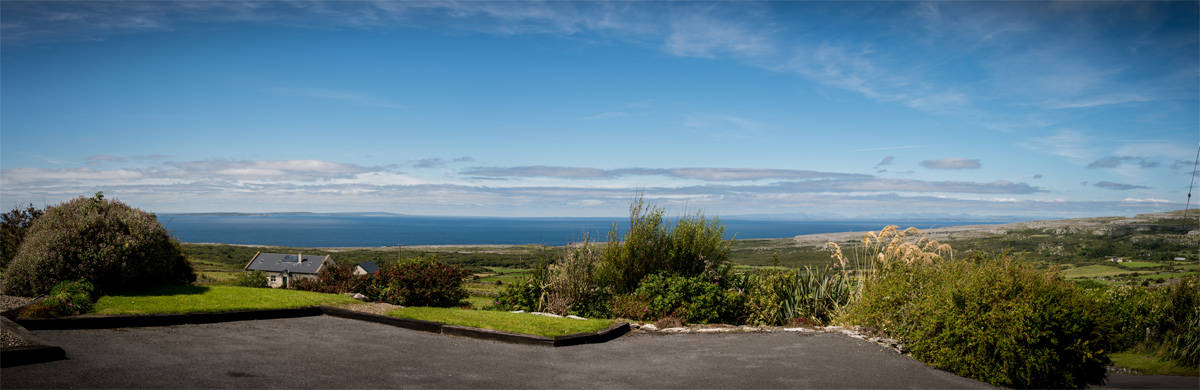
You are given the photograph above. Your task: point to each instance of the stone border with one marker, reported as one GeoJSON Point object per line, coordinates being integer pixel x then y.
{"type": "Point", "coordinates": [38, 350]}
{"type": "Point", "coordinates": [128, 321]}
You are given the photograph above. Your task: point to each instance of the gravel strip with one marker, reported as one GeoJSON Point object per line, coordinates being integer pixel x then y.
{"type": "Point", "coordinates": [9, 339]}
{"type": "Point", "coordinates": [12, 302]}
{"type": "Point", "coordinates": [377, 308]}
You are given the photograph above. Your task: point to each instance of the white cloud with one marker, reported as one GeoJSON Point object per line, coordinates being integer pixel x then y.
{"type": "Point", "coordinates": [951, 163]}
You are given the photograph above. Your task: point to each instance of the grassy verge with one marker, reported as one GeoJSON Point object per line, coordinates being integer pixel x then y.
{"type": "Point", "coordinates": [505, 321]}
{"type": "Point", "coordinates": [1147, 364]}
{"type": "Point", "coordinates": [200, 299]}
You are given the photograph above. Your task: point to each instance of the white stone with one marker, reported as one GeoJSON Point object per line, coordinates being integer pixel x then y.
{"type": "Point", "coordinates": [649, 327]}
{"type": "Point", "coordinates": [575, 317]}
{"type": "Point", "coordinates": [545, 314]}
{"type": "Point", "coordinates": [676, 330]}
{"type": "Point", "coordinates": [797, 330]}
{"type": "Point", "coordinates": [360, 297]}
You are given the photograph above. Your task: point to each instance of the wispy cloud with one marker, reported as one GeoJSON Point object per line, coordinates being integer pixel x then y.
{"type": "Point", "coordinates": [951, 163]}
{"type": "Point", "coordinates": [886, 161]}
{"type": "Point", "coordinates": [1066, 143]}
{"type": "Point", "coordinates": [1108, 185]}
{"type": "Point", "coordinates": [1116, 161]}
{"type": "Point", "coordinates": [1095, 101]}
{"type": "Point", "coordinates": [704, 174]}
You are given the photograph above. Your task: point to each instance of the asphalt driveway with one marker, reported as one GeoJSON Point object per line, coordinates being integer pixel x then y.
{"type": "Point", "coordinates": [328, 352]}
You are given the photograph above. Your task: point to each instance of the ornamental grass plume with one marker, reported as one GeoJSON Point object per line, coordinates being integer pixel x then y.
{"type": "Point", "coordinates": [891, 246]}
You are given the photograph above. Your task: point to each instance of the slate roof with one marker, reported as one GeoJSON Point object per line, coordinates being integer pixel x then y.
{"type": "Point", "coordinates": [370, 267]}
{"type": "Point", "coordinates": [279, 262]}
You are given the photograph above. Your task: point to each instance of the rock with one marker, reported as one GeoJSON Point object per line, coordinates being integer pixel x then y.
{"type": "Point", "coordinates": [360, 297]}
{"type": "Point", "coordinates": [545, 314]}
{"type": "Point", "coordinates": [649, 327]}
{"type": "Point", "coordinates": [713, 330]}
{"type": "Point", "coordinates": [517, 311]}
{"type": "Point", "coordinates": [575, 317]}
{"type": "Point", "coordinates": [797, 330]}
{"type": "Point", "coordinates": [678, 329]}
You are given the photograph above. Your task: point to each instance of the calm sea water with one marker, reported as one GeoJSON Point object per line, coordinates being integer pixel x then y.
{"type": "Point", "coordinates": [334, 230]}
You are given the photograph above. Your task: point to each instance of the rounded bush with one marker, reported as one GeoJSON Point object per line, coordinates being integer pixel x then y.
{"type": "Point", "coordinates": [998, 320]}
{"type": "Point", "coordinates": [107, 243]}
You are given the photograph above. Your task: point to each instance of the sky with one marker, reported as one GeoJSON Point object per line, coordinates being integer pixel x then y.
{"type": "Point", "coordinates": [788, 109]}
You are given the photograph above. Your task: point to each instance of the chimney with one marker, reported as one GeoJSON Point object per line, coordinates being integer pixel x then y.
{"type": "Point", "coordinates": [300, 257]}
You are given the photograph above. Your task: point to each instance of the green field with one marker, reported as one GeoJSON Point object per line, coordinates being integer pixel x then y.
{"type": "Point", "coordinates": [199, 299]}
{"type": "Point", "coordinates": [1093, 271]}
{"type": "Point", "coordinates": [1139, 264]}
{"type": "Point", "coordinates": [504, 321]}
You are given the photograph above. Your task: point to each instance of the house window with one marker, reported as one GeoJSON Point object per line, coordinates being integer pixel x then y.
{"type": "Point", "coordinates": [272, 278]}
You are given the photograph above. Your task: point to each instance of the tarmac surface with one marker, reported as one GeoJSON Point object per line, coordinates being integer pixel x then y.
{"type": "Point", "coordinates": [329, 352]}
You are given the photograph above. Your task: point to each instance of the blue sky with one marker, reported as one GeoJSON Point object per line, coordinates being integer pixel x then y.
{"type": "Point", "coordinates": [803, 109]}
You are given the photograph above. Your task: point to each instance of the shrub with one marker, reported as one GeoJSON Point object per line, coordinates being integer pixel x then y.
{"type": "Point", "coordinates": [529, 295]}
{"type": "Point", "coordinates": [339, 278]}
{"type": "Point", "coordinates": [422, 282]}
{"type": "Point", "coordinates": [1133, 313]}
{"type": "Point", "coordinates": [571, 283]}
{"type": "Point", "coordinates": [13, 226]}
{"type": "Point", "coordinates": [251, 279]}
{"type": "Point", "coordinates": [691, 299]}
{"type": "Point", "coordinates": [695, 246]}
{"type": "Point", "coordinates": [995, 319]}
{"type": "Point", "coordinates": [631, 306]}
{"type": "Point", "coordinates": [1180, 327]}
{"type": "Point", "coordinates": [65, 299]}
{"type": "Point", "coordinates": [107, 243]}
{"type": "Point", "coordinates": [765, 292]}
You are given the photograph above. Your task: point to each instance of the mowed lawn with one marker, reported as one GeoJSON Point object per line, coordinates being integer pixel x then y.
{"type": "Point", "coordinates": [201, 299]}
{"type": "Point", "coordinates": [502, 320]}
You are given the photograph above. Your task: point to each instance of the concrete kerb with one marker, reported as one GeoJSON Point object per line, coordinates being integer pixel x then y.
{"type": "Point", "coordinates": [127, 321]}
{"type": "Point", "coordinates": [37, 350]}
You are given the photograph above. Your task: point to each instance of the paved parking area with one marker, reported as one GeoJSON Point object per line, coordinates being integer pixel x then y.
{"type": "Point", "coordinates": [328, 352]}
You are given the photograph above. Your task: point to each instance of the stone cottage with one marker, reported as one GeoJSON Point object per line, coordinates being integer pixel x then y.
{"type": "Point", "coordinates": [284, 269]}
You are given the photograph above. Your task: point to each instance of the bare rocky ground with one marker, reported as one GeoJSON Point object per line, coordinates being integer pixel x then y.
{"type": "Point", "coordinates": [1097, 225]}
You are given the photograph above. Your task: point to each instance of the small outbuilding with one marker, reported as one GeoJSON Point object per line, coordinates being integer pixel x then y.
{"type": "Point", "coordinates": [284, 269]}
{"type": "Point", "coordinates": [367, 268]}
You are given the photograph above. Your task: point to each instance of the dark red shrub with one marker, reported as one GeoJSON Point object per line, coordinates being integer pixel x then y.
{"type": "Point", "coordinates": [422, 282]}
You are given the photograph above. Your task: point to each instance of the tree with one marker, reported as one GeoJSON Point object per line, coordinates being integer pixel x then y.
{"type": "Point", "coordinates": [13, 226]}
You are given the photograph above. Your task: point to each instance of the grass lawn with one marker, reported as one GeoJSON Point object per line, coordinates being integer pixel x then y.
{"type": "Point", "coordinates": [1093, 271]}
{"type": "Point", "coordinates": [1148, 364]}
{"type": "Point", "coordinates": [501, 320]}
{"type": "Point", "coordinates": [480, 302]}
{"type": "Point", "coordinates": [198, 299]}
{"type": "Point", "coordinates": [1139, 264]}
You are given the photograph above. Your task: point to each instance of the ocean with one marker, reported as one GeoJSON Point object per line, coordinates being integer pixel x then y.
{"type": "Point", "coordinates": [354, 230]}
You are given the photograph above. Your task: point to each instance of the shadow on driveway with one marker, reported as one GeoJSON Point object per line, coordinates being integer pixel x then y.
{"type": "Point", "coordinates": [328, 352]}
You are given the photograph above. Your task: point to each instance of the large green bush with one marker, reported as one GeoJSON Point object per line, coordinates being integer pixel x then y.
{"type": "Point", "coordinates": [107, 243]}
{"type": "Point", "coordinates": [694, 246]}
{"type": "Point", "coordinates": [995, 319]}
{"type": "Point", "coordinates": [691, 299]}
